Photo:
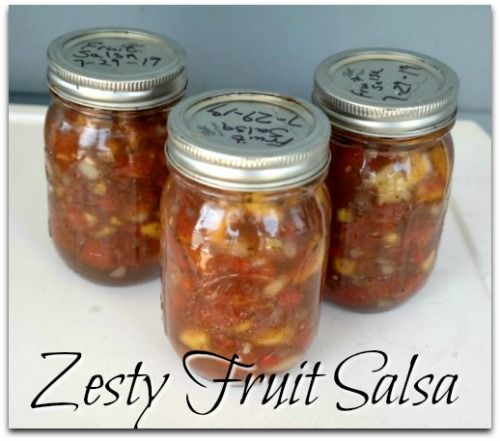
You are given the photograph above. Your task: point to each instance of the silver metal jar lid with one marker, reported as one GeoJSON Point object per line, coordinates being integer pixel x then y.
{"type": "Point", "coordinates": [118, 69]}
{"type": "Point", "coordinates": [386, 92]}
{"type": "Point", "coordinates": [248, 140]}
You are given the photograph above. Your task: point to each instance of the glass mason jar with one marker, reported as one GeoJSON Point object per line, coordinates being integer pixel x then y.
{"type": "Point", "coordinates": [392, 158]}
{"type": "Point", "coordinates": [105, 132]}
{"type": "Point", "coordinates": [245, 221]}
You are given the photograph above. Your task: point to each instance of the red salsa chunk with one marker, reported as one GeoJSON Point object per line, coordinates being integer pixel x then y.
{"type": "Point", "coordinates": [105, 174]}
{"type": "Point", "coordinates": [242, 272]}
{"type": "Point", "coordinates": [389, 199]}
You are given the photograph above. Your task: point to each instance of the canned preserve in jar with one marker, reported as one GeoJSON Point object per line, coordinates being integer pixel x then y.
{"type": "Point", "coordinates": [245, 221]}
{"type": "Point", "coordinates": [392, 155]}
{"type": "Point", "coordinates": [105, 132]}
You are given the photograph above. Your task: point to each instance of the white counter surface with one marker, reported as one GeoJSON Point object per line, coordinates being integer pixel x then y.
{"type": "Point", "coordinates": [51, 309]}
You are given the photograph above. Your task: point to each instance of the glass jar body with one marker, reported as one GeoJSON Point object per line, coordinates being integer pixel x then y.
{"type": "Point", "coordinates": [105, 172]}
{"type": "Point", "coordinates": [389, 200]}
{"type": "Point", "coordinates": [242, 272]}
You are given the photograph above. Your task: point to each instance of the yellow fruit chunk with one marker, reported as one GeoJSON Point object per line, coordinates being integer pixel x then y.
{"type": "Point", "coordinates": [274, 337]}
{"type": "Point", "coordinates": [151, 229]}
{"type": "Point", "coordinates": [194, 339]}
{"type": "Point", "coordinates": [243, 326]}
{"type": "Point", "coordinates": [115, 221]}
{"type": "Point", "coordinates": [105, 231]}
{"type": "Point", "coordinates": [391, 238]}
{"type": "Point", "coordinates": [90, 218]}
{"type": "Point", "coordinates": [394, 182]}
{"type": "Point", "coordinates": [276, 286]}
{"type": "Point", "coordinates": [138, 217]}
{"type": "Point", "coordinates": [427, 263]}
{"type": "Point", "coordinates": [420, 166]}
{"type": "Point", "coordinates": [59, 190]}
{"type": "Point", "coordinates": [99, 188]}
{"type": "Point", "coordinates": [392, 186]}
{"type": "Point", "coordinates": [344, 215]}
{"type": "Point", "coordinates": [271, 243]}
{"type": "Point", "coordinates": [346, 267]}
{"type": "Point", "coordinates": [88, 169]}
{"type": "Point", "coordinates": [288, 248]}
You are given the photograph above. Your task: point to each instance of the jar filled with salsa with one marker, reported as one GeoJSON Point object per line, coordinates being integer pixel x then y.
{"type": "Point", "coordinates": [105, 132]}
{"type": "Point", "coordinates": [392, 156]}
{"type": "Point", "coordinates": [245, 219]}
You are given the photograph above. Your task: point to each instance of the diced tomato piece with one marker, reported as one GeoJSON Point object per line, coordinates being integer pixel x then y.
{"type": "Point", "coordinates": [431, 189]}
{"type": "Point", "coordinates": [290, 299]}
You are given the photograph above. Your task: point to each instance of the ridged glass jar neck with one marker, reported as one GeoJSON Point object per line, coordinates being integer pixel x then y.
{"type": "Point", "coordinates": [235, 196]}
{"type": "Point", "coordinates": [392, 144]}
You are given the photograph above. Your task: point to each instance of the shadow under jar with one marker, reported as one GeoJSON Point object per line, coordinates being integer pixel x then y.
{"type": "Point", "coordinates": [389, 180]}
{"type": "Point", "coordinates": [245, 220]}
{"type": "Point", "coordinates": [105, 132]}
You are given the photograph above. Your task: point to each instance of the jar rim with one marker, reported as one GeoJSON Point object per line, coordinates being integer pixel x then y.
{"type": "Point", "coordinates": [216, 138]}
{"type": "Point", "coordinates": [116, 68]}
{"type": "Point", "coordinates": [386, 92]}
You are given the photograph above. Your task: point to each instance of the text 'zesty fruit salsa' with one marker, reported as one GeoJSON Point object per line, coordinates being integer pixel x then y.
{"type": "Point", "coordinates": [105, 132]}
{"type": "Point", "coordinates": [245, 222]}
{"type": "Point", "coordinates": [392, 157]}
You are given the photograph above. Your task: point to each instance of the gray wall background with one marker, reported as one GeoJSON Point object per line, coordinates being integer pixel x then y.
{"type": "Point", "coordinates": [267, 47]}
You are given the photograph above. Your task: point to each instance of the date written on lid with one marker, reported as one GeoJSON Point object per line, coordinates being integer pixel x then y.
{"type": "Point", "coordinates": [386, 81]}
{"type": "Point", "coordinates": [250, 123]}
{"type": "Point", "coordinates": [115, 53]}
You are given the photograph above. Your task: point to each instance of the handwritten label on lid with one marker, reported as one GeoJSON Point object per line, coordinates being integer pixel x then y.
{"type": "Point", "coordinates": [246, 123]}
{"type": "Point", "coordinates": [386, 81]}
{"type": "Point", "coordinates": [116, 55]}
